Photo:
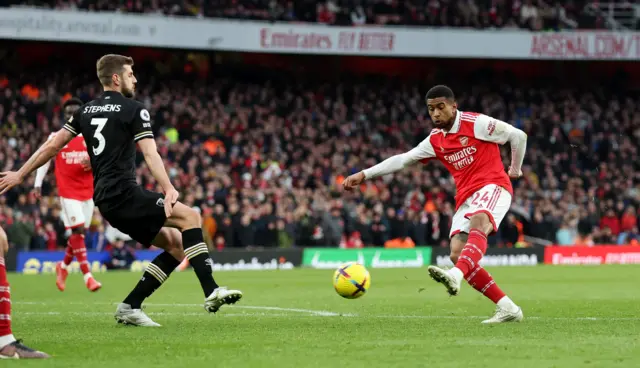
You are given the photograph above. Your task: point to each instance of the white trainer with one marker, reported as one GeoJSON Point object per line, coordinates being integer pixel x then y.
{"type": "Point", "coordinates": [502, 316]}
{"type": "Point", "coordinates": [134, 317]}
{"type": "Point", "coordinates": [445, 278]}
{"type": "Point", "coordinates": [220, 297]}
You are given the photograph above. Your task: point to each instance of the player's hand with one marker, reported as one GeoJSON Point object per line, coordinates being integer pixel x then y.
{"type": "Point", "coordinates": [37, 192]}
{"type": "Point", "coordinates": [86, 164]}
{"type": "Point", "coordinates": [8, 180]}
{"type": "Point", "coordinates": [170, 198]}
{"type": "Point", "coordinates": [514, 174]}
{"type": "Point", "coordinates": [353, 181]}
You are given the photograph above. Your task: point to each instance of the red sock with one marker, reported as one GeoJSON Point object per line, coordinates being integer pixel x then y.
{"type": "Point", "coordinates": [482, 281]}
{"type": "Point", "coordinates": [76, 241]}
{"type": "Point", "coordinates": [68, 255]}
{"type": "Point", "coordinates": [5, 301]}
{"type": "Point", "coordinates": [472, 252]}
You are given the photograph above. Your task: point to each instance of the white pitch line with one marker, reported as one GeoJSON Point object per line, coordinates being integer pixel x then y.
{"type": "Point", "coordinates": [155, 314]}
{"type": "Point", "coordinates": [280, 309]}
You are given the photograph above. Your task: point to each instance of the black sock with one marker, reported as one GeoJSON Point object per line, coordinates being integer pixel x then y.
{"type": "Point", "coordinates": [196, 251]}
{"type": "Point", "coordinates": [156, 273]}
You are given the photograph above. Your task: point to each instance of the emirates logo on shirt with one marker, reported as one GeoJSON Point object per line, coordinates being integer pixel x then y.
{"type": "Point", "coordinates": [461, 159]}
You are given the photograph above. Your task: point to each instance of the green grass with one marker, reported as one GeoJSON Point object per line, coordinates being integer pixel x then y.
{"type": "Point", "coordinates": [574, 317]}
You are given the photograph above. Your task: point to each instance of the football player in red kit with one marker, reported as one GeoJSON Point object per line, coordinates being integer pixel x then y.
{"type": "Point", "coordinates": [10, 348]}
{"type": "Point", "coordinates": [75, 188]}
{"type": "Point", "coordinates": [467, 143]}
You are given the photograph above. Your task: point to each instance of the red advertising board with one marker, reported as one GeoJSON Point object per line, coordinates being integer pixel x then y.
{"type": "Point", "coordinates": [596, 255]}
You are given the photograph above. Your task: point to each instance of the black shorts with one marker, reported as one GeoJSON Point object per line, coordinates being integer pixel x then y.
{"type": "Point", "coordinates": [136, 212]}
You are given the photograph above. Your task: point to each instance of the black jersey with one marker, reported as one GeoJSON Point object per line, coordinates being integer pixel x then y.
{"type": "Point", "coordinates": [111, 126]}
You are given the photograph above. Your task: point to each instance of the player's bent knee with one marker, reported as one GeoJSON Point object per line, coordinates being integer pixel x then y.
{"type": "Point", "coordinates": [184, 218]}
{"type": "Point", "coordinates": [194, 219]}
{"type": "Point", "coordinates": [171, 241]}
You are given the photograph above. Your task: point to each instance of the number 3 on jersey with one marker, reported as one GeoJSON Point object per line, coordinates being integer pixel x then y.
{"type": "Point", "coordinates": [100, 122]}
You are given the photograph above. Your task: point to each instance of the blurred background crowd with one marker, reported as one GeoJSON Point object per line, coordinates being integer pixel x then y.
{"type": "Point", "coordinates": [262, 156]}
{"type": "Point", "coordinates": [260, 149]}
{"type": "Point", "coordinates": [492, 14]}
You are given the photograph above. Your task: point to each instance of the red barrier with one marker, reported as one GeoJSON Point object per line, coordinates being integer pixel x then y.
{"type": "Point", "coordinates": [596, 255]}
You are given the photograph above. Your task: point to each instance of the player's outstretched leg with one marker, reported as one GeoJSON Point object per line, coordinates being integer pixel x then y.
{"type": "Point", "coordinates": [129, 312]}
{"type": "Point", "coordinates": [467, 267]}
{"type": "Point", "coordinates": [190, 223]}
{"type": "Point", "coordinates": [506, 309]}
{"type": "Point", "coordinates": [10, 348]}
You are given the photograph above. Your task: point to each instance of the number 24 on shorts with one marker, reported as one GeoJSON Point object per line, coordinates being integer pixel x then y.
{"type": "Point", "coordinates": [487, 198]}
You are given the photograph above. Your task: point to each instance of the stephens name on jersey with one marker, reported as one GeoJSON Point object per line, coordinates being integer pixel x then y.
{"type": "Point", "coordinates": [111, 126]}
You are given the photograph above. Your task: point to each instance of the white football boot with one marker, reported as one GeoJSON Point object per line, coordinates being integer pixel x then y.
{"type": "Point", "coordinates": [220, 297]}
{"type": "Point", "coordinates": [445, 278]}
{"type": "Point", "coordinates": [502, 315]}
{"type": "Point", "coordinates": [134, 317]}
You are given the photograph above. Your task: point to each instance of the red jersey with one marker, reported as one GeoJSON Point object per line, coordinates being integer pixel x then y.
{"type": "Point", "coordinates": [73, 181]}
{"type": "Point", "coordinates": [469, 150]}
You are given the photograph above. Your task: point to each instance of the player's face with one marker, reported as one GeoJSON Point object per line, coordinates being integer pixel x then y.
{"type": "Point", "coordinates": [128, 82]}
{"type": "Point", "coordinates": [69, 111]}
{"type": "Point", "coordinates": [442, 112]}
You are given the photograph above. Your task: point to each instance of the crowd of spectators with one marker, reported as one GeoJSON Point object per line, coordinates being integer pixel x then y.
{"type": "Point", "coordinates": [530, 14]}
{"type": "Point", "coordinates": [261, 157]}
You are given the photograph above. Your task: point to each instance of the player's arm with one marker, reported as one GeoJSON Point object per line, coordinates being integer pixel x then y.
{"type": "Point", "coordinates": [154, 162]}
{"type": "Point", "coordinates": [489, 129]}
{"type": "Point", "coordinates": [46, 152]}
{"type": "Point", "coordinates": [43, 155]}
{"type": "Point", "coordinates": [41, 172]}
{"type": "Point", "coordinates": [143, 136]}
{"type": "Point", "coordinates": [394, 163]}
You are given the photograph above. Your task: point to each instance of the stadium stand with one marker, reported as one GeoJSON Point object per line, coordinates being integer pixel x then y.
{"type": "Point", "coordinates": [261, 153]}
{"type": "Point", "coordinates": [481, 14]}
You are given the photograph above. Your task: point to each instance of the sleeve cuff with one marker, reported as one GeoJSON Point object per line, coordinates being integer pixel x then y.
{"type": "Point", "coordinates": [70, 129]}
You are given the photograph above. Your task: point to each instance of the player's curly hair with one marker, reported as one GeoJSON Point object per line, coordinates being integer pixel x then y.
{"type": "Point", "coordinates": [72, 102]}
{"type": "Point", "coordinates": [440, 91]}
{"type": "Point", "coordinates": [111, 64]}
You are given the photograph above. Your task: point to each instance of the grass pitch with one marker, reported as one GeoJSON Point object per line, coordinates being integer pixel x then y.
{"type": "Point", "coordinates": [574, 317]}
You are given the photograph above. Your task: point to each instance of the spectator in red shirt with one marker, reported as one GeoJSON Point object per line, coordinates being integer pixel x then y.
{"type": "Point", "coordinates": [51, 237]}
{"type": "Point", "coordinates": [629, 220]}
{"type": "Point", "coordinates": [611, 221]}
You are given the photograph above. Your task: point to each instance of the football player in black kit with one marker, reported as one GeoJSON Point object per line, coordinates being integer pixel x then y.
{"type": "Point", "coordinates": [112, 125]}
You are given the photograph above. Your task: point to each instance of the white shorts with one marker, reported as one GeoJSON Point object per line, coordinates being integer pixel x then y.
{"type": "Point", "coordinates": [492, 199]}
{"type": "Point", "coordinates": [76, 213]}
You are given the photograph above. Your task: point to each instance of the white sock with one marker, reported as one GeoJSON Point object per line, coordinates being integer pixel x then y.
{"type": "Point", "coordinates": [507, 304]}
{"type": "Point", "coordinates": [457, 274]}
{"type": "Point", "coordinates": [6, 340]}
{"type": "Point", "coordinates": [87, 276]}
{"type": "Point", "coordinates": [63, 265]}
